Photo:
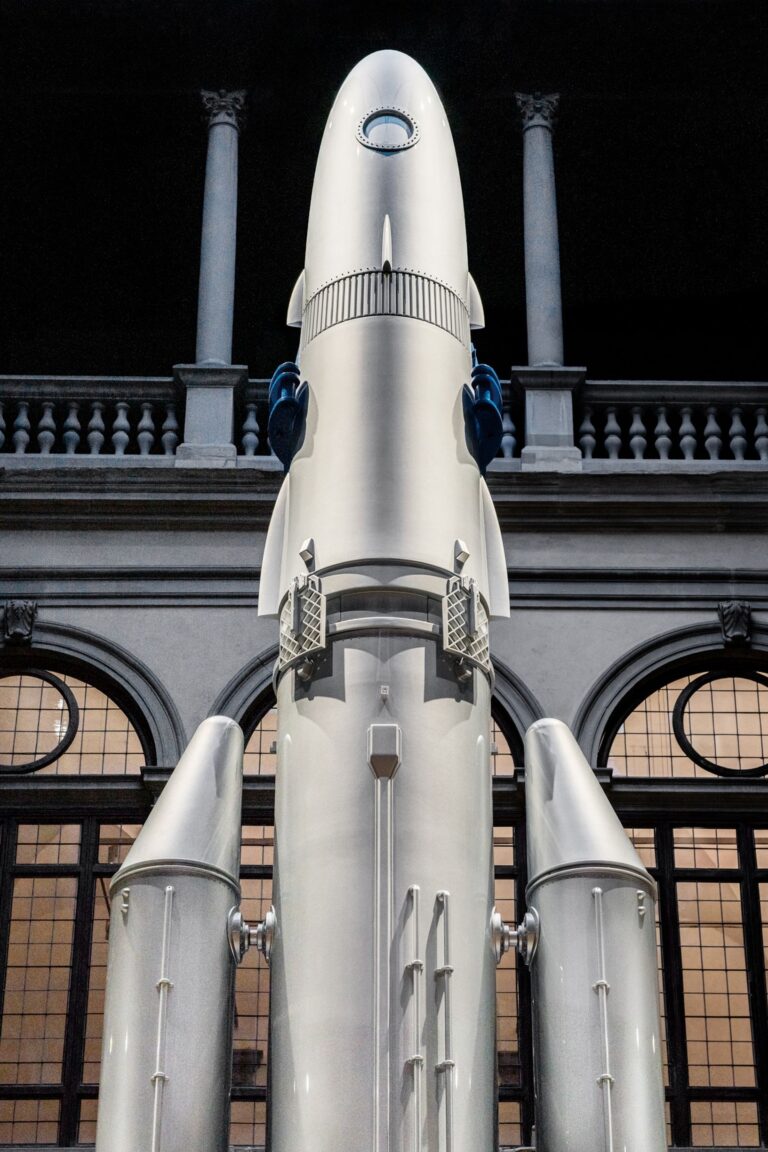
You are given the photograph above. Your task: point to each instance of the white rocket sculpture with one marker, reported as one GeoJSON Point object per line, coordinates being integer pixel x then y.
{"type": "Point", "coordinates": [384, 564]}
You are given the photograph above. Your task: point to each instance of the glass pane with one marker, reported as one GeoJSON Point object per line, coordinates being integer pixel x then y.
{"type": "Point", "coordinates": [115, 842]}
{"type": "Point", "coordinates": [29, 1121]}
{"type": "Point", "coordinates": [48, 844]}
{"type": "Point", "coordinates": [722, 1122]}
{"type": "Point", "coordinates": [258, 844]}
{"type": "Point", "coordinates": [718, 1024]}
{"type": "Point", "coordinates": [504, 847]}
{"type": "Point", "coordinates": [97, 979]}
{"type": "Point", "coordinates": [106, 742]}
{"type": "Point", "coordinates": [706, 848]}
{"type": "Point", "coordinates": [509, 1124]}
{"type": "Point", "coordinates": [644, 840]}
{"type": "Point", "coordinates": [86, 1128]}
{"type": "Point", "coordinates": [502, 763]}
{"type": "Point", "coordinates": [33, 719]}
{"type": "Point", "coordinates": [507, 1042]}
{"type": "Point", "coordinates": [761, 847]}
{"type": "Point", "coordinates": [249, 1057]}
{"type": "Point", "coordinates": [645, 745]}
{"type": "Point", "coordinates": [37, 980]}
{"type": "Point", "coordinates": [261, 750]}
{"type": "Point", "coordinates": [764, 918]}
{"type": "Point", "coordinates": [248, 1124]}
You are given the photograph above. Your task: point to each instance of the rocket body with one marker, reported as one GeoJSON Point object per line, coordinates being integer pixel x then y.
{"type": "Point", "coordinates": [384, 563]}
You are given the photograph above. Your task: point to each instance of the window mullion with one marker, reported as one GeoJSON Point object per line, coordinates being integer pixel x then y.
{"type": "Point", "coordinates": [77, 1006]}
{"type": "Point", "coordinates": [674, 1001]}
{"type": "Point", "coordinates": [7, 860]}
{"type": "Point", "coordinates": [524, 1021]}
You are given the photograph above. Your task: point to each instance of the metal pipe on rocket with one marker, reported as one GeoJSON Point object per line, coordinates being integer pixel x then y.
{"type": "Point", "coordinates": [384, 563]}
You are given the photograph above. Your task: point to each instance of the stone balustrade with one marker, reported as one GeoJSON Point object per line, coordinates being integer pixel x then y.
{"type": "Point", "coordinates": [672, 421]}
{"type": "Point", "coordinates": [89, 416]}
{"type": "Point", "coordinates": [618, 423]}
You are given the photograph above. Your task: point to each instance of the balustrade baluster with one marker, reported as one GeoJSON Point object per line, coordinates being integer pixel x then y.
{"type": "Point", "coordinates": [713, 440]}
{"type": "Point", "coordinates": [637, 439]}
{"type": "Point", "coordinates": [21, 428]}
{"type": "Point", "coordinates": [508, 439]}
{"type": "Point", "coordinates": [170, 430]}
{"type": "Point", "coordinates": [738, 435]}
{"type": "Point", "coordinates": [146, 429]}
{"type": "Point", "coordinates": [761, 434]}
{"type": "Point", "coordinates": [121, 428]}
{"type": "Point", "coordinates": [587, 436]}
{"type": "Point", "coordinates": [687, 433]}
{"type": "Point", "coordinates": [96, 428]}
{"type": "Point", "coordinates": [71, 436]}
{"type": "Point", "coordinates": [46, 429]}
{"type": "Point", "coordinates": [2, 426]}
{"type": "Point", "coordinates": [612, 435]}
{"type": "Point", "coordinates": [250, 430]}
{"type": "Point", "coordinates": [662, 433]}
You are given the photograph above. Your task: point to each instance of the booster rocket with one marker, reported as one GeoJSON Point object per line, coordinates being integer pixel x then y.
{"type": "Point", "coordinates": [384, 564]}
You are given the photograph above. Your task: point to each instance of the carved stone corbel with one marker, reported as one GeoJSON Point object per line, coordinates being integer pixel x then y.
{"type": "Point", "coordinates": [734, 622]}
{"type": "Point", "coordinates": [19, 621]}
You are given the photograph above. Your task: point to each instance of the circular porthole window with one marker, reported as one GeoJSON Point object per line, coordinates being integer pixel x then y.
{"type": "Point", "coordinates": [38, 720]}
{"type": "Point", "coordinates": [721, 722]}
{"type": "Point", "coordinates": [387, 130]}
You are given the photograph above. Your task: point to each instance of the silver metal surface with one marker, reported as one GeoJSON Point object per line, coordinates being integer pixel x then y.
{"type": "Point", "coordinates": [597, 1046]}
{"type": "Point", "coordinates": [166, 1052]}
{"type": "Point", "coordinates": [383, 786]}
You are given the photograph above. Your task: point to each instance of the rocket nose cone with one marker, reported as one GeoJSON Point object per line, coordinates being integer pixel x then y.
{"type": "Point", "coordinates": [569, 819]}
{"type": "Point", "coordinates": [197, 818]}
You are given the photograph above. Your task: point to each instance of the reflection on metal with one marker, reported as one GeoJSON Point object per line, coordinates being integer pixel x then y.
{"type": "Point", "coordinates": [164, 986]}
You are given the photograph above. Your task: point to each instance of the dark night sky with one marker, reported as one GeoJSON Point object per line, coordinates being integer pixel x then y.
{"type": "Point", "coordinates": [661, 165]}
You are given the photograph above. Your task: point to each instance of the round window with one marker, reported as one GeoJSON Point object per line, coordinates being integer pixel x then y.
{"type": "Point", "coordinates": [387, 130]}
{"type": "Point", "coordinates": [721, 723]}
{"type": "Point", "coordinates": [38, 720]}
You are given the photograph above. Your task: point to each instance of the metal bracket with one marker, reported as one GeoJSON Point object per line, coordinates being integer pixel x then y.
{"type": "Point", "coordinates": [243, 935]}
{"type": "Point", "coordinates": [524, 938]}
{"type": "Point", "coordinates": [465, 628]}
{"type": "Point", "coordinates": [303, 632]}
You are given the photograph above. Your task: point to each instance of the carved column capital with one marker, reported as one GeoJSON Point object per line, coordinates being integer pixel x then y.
{"type": "Point", "coordinates": [224, 107]}
{"type": "Point", "coordinates": [538, 110]}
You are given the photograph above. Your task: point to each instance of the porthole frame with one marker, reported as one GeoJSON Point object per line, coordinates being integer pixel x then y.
{"type": "Point", "coordinates": [683, 740]}
{"type": "Point", "coordinates": [26, 769]}
{"type": "Point", "coordinates": [387, 110]}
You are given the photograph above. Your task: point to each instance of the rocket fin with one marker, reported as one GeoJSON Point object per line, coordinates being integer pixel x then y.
{"type": "Point", "coordinates": [496, 563]}
{"type": "Point", "coordinates": [296, 303]}
{"type": "Point", "coordinates": [476, 311]}
{"type": "Point", "coordinates": [270, 582]}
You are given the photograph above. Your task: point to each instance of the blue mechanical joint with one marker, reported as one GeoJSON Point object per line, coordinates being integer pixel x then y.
{"type": "Point", "coordinates": [483, 415]}
{"type": "Point", "coordinates": [288, 399]}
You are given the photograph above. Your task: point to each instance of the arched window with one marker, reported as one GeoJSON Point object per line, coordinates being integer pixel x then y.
{"type": "Point", "coordinates": [690, 751]}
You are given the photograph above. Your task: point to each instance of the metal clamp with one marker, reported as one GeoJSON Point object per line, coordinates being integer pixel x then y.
{"type": "Point", "coordinates": [465, 628]}
{"type": "Point", "coordinates": [524, 938]}
{"type": "Point", "coordinates": [303, 632]}
{"type": "Point", "coordinates": [243, 935]}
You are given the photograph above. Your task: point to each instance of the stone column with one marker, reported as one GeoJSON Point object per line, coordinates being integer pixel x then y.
{"type": "Point", "coordinates": [210, 382]}
{"type": "Point", "coordinates": [548, 386]}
